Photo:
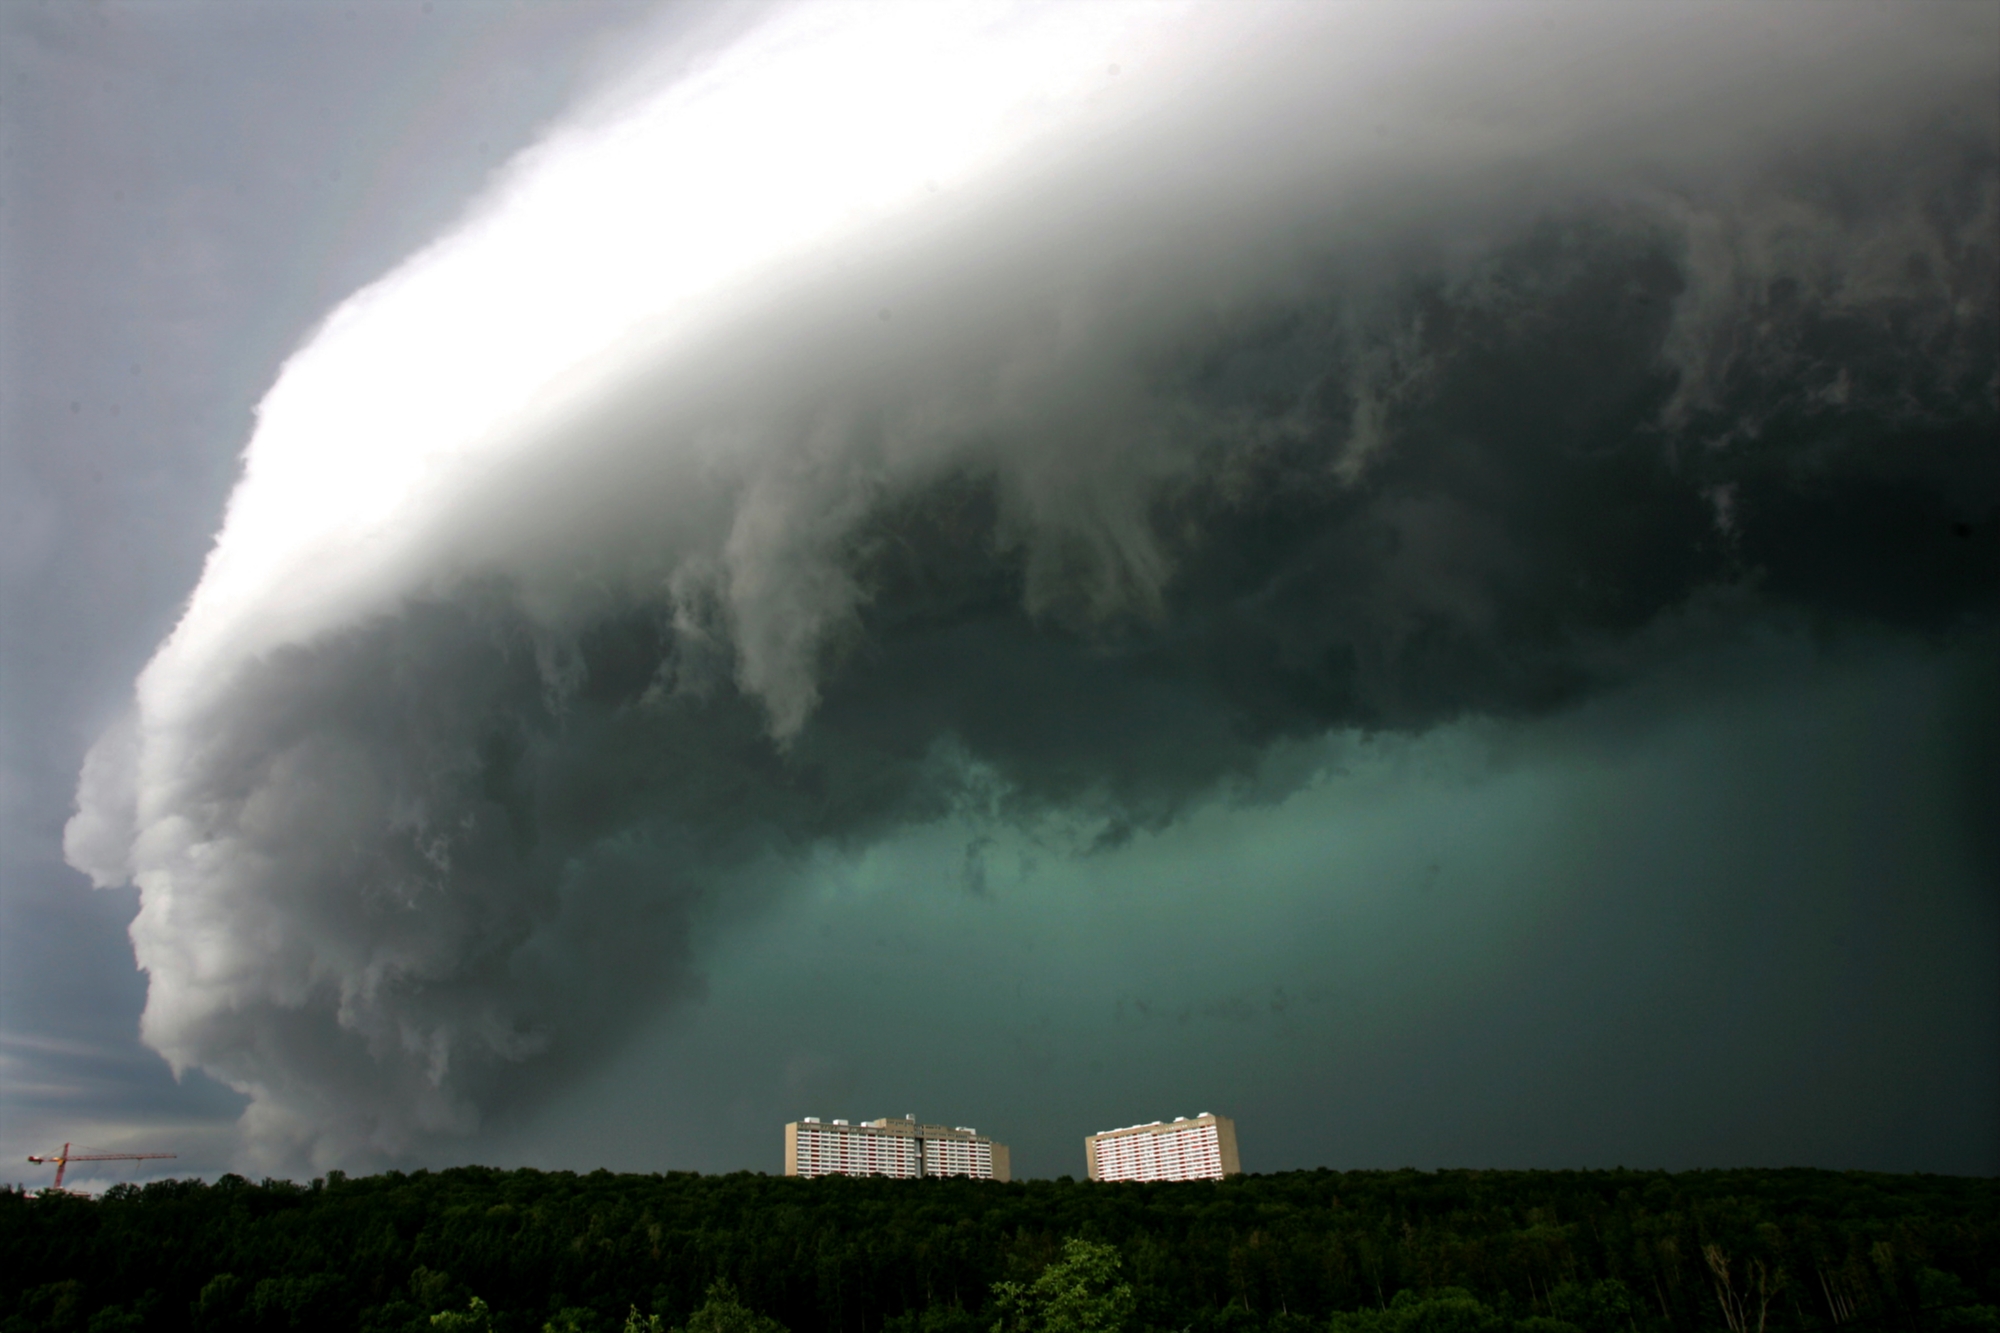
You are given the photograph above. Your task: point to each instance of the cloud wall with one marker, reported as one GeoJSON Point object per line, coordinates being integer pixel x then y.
{"type": "Point", "coordinates": [1050, 411]}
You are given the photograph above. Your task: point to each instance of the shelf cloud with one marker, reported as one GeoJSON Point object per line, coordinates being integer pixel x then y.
{"type": "Point", "coordinates": [879, 412]}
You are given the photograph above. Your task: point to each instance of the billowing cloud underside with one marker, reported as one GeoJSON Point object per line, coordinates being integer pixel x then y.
{"type": "Point", "coordinates": [1068, 485]}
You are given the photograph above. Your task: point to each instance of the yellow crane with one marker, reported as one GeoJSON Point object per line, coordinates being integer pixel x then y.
{"type": "Point", "coordinates": [65, 1157]}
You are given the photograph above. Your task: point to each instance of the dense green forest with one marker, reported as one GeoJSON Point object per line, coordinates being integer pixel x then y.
{"type": "Point", "coordinates": [1300, 1252]}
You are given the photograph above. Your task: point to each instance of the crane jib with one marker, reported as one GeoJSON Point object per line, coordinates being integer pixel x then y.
{"type": "Point", "coordinates": [65, 1157]}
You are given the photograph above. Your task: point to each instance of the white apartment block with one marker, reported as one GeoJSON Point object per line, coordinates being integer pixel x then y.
{"type": "Point", "coordinates": [886, 1147]}
{"type": "Point", "coordinates": [1203, 1148]}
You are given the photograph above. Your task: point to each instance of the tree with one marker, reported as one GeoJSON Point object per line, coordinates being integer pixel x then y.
{"type": "Point", "coordinates": [1601, 1307]}
{"type": "Point", "coordinates": [1078, 1294]}
{"type": "Point", "coordinates": [475, 1318]}
{"type": "Point", "coordinates": [722, 1312]}
{"type": "Point", "coordinates": [1445, 1310]}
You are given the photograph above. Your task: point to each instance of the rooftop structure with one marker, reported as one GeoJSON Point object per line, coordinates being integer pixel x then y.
{"type": "Point", "coordinates": [1203, 1148]}
{"type": "Point", "coordinates": [891, 1147]}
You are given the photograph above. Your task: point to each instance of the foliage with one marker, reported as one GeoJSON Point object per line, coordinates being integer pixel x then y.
{"type": "Point", "coordinates": [1078, 1294]}
{"type": "Point", "coordinates": [723, 1312]}
{"type": "Point", "coordinates": [474, 1318]}
{"type": "Point", "coordinates": [1446, 1310]}
{"type": "Point", "coordinates": [1301, 1252]}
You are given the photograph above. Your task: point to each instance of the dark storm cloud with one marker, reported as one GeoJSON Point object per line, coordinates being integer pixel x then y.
{"type": "Point", "coordinates": [1220, 422]}
{"type": "Point", "coordinates": [186, 189]}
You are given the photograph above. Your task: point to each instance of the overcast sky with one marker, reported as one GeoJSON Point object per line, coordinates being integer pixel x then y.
{"type": "Point", "coordinates": [1423, 581]}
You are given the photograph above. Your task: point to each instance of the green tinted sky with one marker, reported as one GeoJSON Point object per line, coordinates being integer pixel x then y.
{"type": "Point", "coordinates": [1733, 918]}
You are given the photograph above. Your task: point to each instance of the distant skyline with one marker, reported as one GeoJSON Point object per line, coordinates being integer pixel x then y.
{"type": "Point", "coordinates": [1423, 578]}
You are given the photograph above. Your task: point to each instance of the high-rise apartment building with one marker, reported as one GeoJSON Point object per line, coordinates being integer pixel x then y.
{"type": "Point", "coordinates": [1203, 1148]}
{"type": "Point", "coordinates": [887, 1147]}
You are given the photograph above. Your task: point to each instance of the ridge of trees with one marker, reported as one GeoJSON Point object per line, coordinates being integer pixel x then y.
{"type": "Point", "coordinates": [492, 1251]}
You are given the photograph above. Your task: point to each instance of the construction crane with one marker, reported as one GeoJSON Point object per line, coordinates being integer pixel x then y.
{"type": "Point", "coordinates": [65, 1157]}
